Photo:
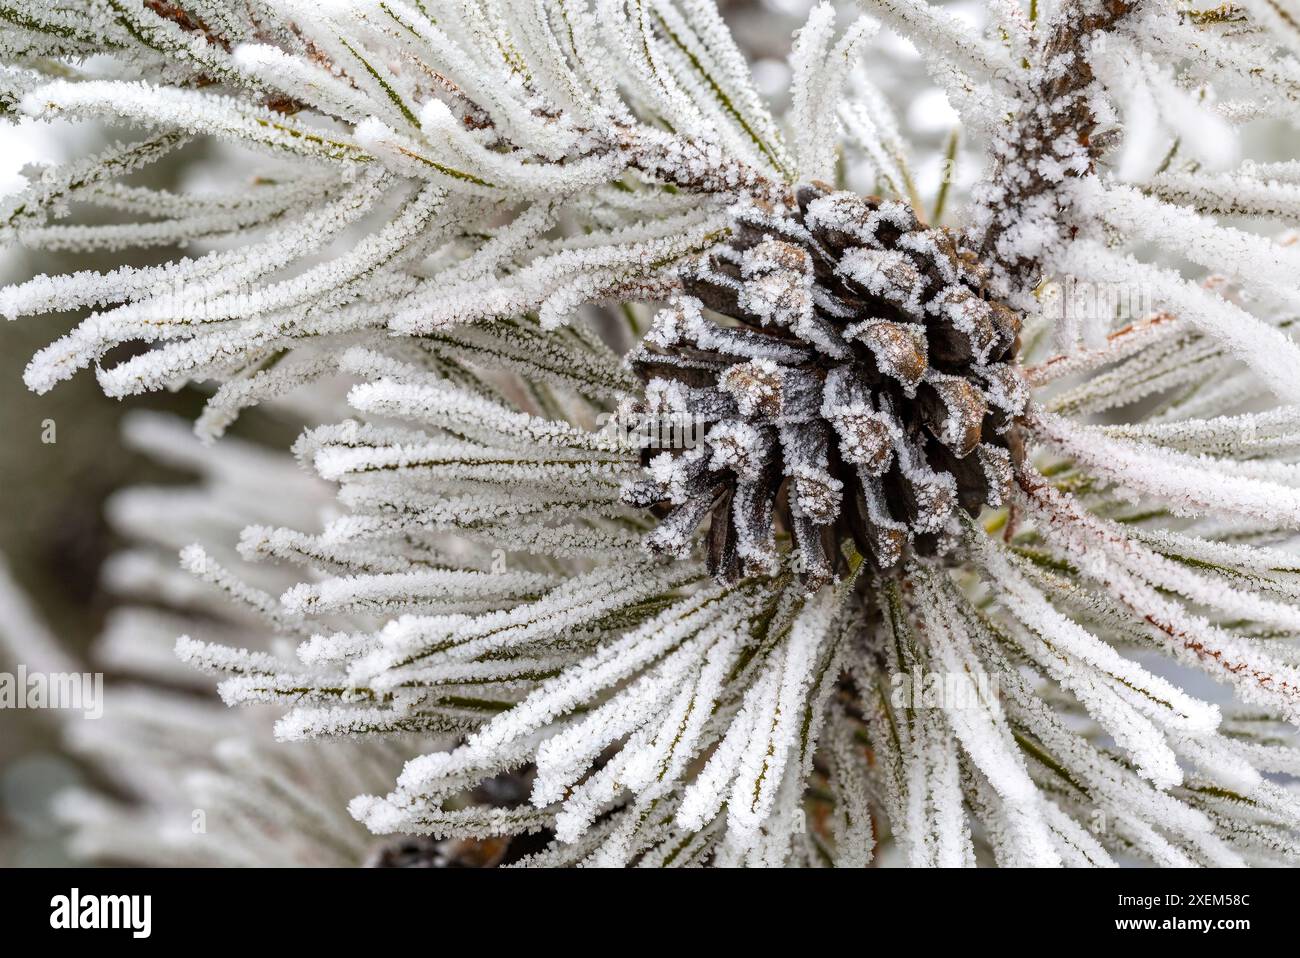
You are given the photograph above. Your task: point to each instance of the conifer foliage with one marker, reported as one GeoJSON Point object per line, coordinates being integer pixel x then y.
{"type": "Point", "coordinates": [974, 482]}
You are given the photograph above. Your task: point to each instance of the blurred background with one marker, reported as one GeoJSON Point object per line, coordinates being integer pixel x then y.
{"type": "Point", "coordinates": [54, 536]}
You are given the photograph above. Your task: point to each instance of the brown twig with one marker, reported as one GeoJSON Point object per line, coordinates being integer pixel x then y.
{"type": "Point", "coordinates": [186, 21]}
{"type": "Point", "coordinates": [1055, 120]}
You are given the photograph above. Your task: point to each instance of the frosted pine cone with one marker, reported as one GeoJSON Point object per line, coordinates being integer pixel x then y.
{"type": "Point", "coordinates": [856, 387]}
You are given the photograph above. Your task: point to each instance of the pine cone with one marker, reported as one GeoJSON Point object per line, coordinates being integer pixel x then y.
{"type": "Point", "coordinates": [856, 385]}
